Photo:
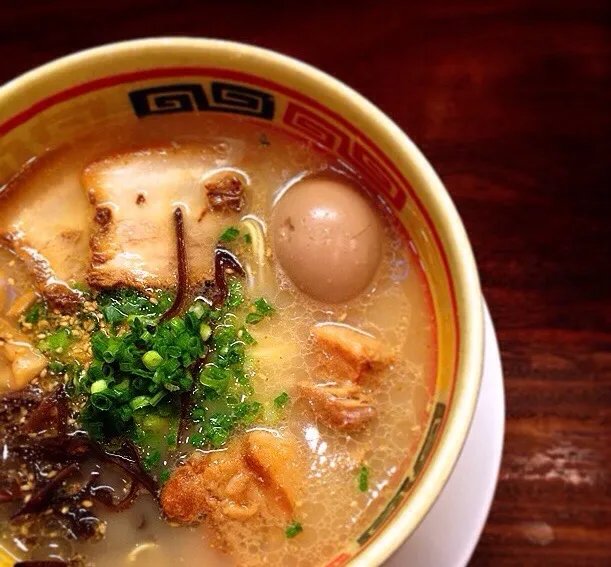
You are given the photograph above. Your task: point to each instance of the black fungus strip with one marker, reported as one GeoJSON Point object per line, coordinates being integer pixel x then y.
{"type": "Point", "coordinates": [129, 498]}
{"type": "Point", "coordinates": [223, 261]}
{"type": "Point", "coordinates": [40, 499]}
{"type": "Point", "coordinates": [52, 412]}
{"type": "Point", "coordinates": [131, 464]}
{"type": "Point", "coordinates": [181, 256]}
{"type": "Point", "coordinates": [9, 493]}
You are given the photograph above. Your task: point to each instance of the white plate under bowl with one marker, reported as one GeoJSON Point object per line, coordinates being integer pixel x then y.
{"type": "Point", "coordinates": [450, 531]}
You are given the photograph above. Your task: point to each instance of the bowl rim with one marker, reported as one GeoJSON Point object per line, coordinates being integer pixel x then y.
{"type": "Point", "coordinates": [463, 273]}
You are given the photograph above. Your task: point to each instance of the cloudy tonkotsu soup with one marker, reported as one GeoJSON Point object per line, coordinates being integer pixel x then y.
{"type": "Point", "coordinates": [214, 350]}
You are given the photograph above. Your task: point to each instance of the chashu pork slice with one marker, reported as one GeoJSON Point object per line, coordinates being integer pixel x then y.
{"type": "Point", "coordinates": [43, 220]}
{"type": "Point", "coordinates": [133, 197]}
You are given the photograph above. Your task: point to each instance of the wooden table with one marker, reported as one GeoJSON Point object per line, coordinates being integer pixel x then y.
{"type": "Point", "coordinates": [510, 101]}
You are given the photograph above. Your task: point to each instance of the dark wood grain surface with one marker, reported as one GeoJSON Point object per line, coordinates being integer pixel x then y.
{"type": "Point", "coordinates": [510, 100]}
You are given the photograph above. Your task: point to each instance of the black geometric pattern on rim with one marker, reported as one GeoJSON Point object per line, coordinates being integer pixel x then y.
{"type": "Point", "coordinates": [229, 97]}
{"type": "Point", "coordinates": [168, 99]}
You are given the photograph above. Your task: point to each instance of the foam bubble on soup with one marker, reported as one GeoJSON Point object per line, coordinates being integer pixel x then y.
{"type": "Point", "coordinates": [185, 377]}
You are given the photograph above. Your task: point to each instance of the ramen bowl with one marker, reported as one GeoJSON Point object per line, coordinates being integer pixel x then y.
{"type": "Point", "coordinates": [139, 80]}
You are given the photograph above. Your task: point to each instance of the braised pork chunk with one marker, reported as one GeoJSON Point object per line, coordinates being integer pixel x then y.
{"type": "Point", "coordinates": [133, 196]}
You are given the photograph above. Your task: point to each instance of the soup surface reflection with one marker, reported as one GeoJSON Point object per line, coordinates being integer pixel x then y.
{"type": "Point", "coordinates": [214, 350]}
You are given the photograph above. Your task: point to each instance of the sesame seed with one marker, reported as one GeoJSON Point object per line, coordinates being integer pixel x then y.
{"type": "Point", "coordinates": [87, 503]}
{"type": "Point", "coordinates": [11, 281]}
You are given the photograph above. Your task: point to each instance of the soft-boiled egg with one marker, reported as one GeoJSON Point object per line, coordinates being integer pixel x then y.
{"type": "Point", "coordinates": [327, 238]}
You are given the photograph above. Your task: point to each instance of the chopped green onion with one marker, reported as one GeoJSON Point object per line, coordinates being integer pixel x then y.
{"type": "Point", "coordinates": [56, 367]}
{"type": "Point", "coordinates": [199, 308]}
{"type": "Point", "coordinates": [157, 398]}
{"type": "Point", "coordinates": [229, 234]}
{"type": "Point", "coordinates": [139, 402]}
{"type": "Point", "coordinates": [196, 439]}
{"type": "Point", "coordinates": [164, 476]}
{"type": "Point", "coordinates": [197, 414]}
{"type": "Point", "coordinates": [57, 342]}
{"type": "Point", "coordinates": [235, 294]}
{"type": "Point", "coordinates": [261, 309]}
{"type": "Point", "coordinates": [152, 359]}
{"type": "Point", "coordinates": [254, 318]}
{"type": "Point", "coordinates": [125, 412]}
{"type": "Point", "coordinates": [98, 386]}
{"type": "Point", "coordinates": [215, 378]}
{"type": "Point", "coordinates": [89, 322]}
{"type": "Point", "coordinates": [262, 306]}
{"type": "Point", "coordinates": [101, 402]}
{"type": "Point", "coordinates": [293, 529]}
{"type": "Point", "coordinates": [151, 460]}
{"type": "Point", "coordinates": [205, 331]}
{"type": "Point", "coordinates": [246, 336]}
{"type": "Point", "coordinates": [36, 312]}
{"type": "Point", "coordinates": [218, 437]}
{"type": "Point", "coordinates": [247, 238]}
{"type": "Point", "coordinates": [363, 478]}
{"type": "Point", "coordinates": [281, 400]}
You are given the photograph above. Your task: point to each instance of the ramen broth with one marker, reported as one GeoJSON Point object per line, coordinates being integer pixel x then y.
{"type": "Point", "coordinates": [344, 478]}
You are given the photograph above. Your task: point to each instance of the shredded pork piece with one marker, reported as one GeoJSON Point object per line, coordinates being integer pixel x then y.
{"type": "Point", "coordinates": [255, 478]}
{"type": "Point", "coordinates": [348, 353]}
{"type": "Point", "coordinates": [225, 191]}
{"type": "Point", "coordinates": [341, 406]}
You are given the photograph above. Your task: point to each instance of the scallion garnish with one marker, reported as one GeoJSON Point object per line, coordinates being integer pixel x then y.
{"type": "Point", "coordinates": [293, 529]}
{"type": "Point", "coordinates": [281, 400]}
{"type": "Point", "coordinates": [152, 359]}
{"type": "Point", "coordinates": [229, 234]}
{"type": "Point", "coordinates": [259, 310]}
{"type": "Point", "coordinates": [363, 479]}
